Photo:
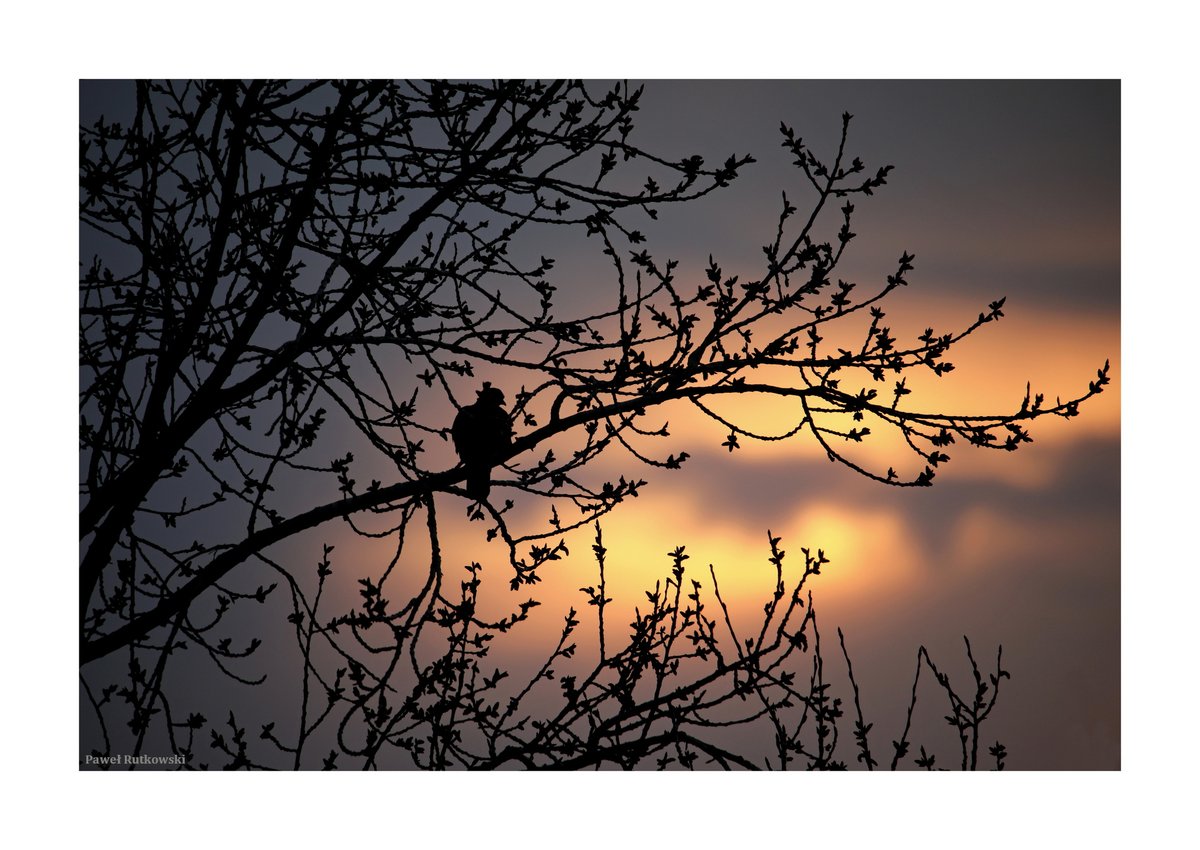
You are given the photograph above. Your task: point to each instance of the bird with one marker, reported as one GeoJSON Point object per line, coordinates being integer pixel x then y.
{"type": "Point", "coordinates": [482, 434]}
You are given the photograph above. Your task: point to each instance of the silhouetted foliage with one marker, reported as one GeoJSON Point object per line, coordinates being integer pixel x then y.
{"type": "Point", "coordinates": [285, 271]}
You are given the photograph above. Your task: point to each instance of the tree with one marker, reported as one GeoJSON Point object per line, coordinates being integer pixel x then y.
{"type": "Point", "coordinates": [284, 270]}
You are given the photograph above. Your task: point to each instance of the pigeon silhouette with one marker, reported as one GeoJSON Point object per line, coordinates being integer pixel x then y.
{"type": "Point", "coordinates": [482, 434]}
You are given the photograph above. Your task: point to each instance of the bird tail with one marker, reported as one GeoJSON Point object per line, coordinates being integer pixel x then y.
{"type": "Point", "coordinates": [479, 483]}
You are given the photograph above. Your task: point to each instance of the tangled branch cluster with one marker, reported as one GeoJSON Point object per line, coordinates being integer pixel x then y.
{"type": "Point", "coordinates": [278, 270]}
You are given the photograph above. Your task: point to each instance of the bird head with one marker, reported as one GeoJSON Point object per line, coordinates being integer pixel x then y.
{"type": "Point", "coordinates": [490, 395]}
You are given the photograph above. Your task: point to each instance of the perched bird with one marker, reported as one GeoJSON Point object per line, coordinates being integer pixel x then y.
{"type": "Point", "coordinates": [482, 433]}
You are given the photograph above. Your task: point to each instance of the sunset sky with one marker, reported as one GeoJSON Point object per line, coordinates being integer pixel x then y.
{"type": "Point", "coordinates": [1000, 189]}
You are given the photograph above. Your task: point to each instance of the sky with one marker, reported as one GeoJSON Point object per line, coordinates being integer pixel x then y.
{"type": "Point", "coordinates": [1000, 189]}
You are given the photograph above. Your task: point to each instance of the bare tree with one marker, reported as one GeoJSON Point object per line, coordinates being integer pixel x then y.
{"type": "Point", "coordinates": [281, 270]}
